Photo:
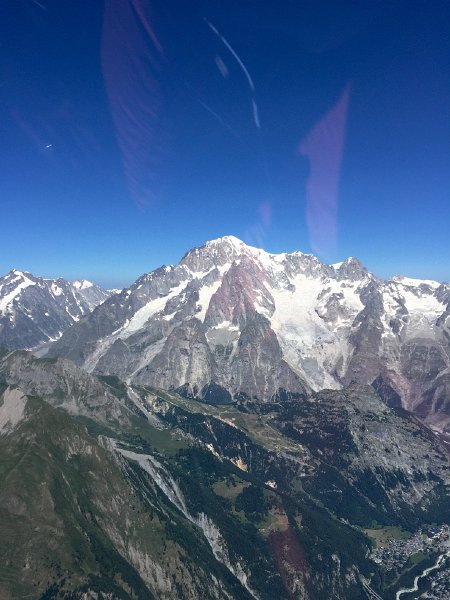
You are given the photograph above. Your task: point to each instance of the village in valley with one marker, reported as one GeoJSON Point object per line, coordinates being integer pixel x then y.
{"type": "Point", "coordinates": [396, 555]}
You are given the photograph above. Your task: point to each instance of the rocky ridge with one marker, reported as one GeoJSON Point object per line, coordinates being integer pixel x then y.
{"type": "Point", "coordinates": [34, 310]}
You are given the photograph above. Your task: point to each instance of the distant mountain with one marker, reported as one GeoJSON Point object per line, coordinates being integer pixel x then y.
{"type": "Point", "coordinates": [232, 322]}
{"type": "Point", "coordinates": [34, 310]}
{"type": "Point", "coordinates": [117, 491]}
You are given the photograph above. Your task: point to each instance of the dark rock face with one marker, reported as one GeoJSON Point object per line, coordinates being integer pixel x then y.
{"type": "Point", "coordinates": [242, 285]}
{"type": "Point", "coordinates": [79, 343]}
{"type": "Point", "coordinates": [35, 310]}
{"type": "Point", "coordinates": [386, 392]}
{"type": "Point", "coordinates": [352, 269]}
{"type": "Point", "coordinates": [212, 393]}
{"type": "Point", "coordinates": [365, 338]}
{"type": "Point", "coordinates": [422, 360]}
{"type": "Point", "coordinates": [118, 360]}
{"type": "Point", "coordinates": [254, 323]}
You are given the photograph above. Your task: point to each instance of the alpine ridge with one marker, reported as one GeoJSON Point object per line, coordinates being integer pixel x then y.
{"type": "Point", "coordinates": [34, 311]}
{"type": "Point", "coordinates": [233, 322]}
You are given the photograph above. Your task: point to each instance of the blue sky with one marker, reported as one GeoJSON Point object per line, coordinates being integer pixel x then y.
{"type": "Point", "coordinates": [133, 130]}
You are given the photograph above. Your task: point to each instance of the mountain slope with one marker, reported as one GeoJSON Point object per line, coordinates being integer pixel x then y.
{"type": "Point", "coordinates": [231, 321]}
{"type": "Point", "coordinates": [72, 523]}
{"type": "Point", "coordinates": [140, 493]}
{"type": "Point", "coordinates": [123, 516]}
{"type": "Point", "coordinates": [35, 310]}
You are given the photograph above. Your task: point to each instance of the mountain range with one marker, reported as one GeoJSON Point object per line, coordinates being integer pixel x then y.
{"type": "Point", "coordinates": [241, 425]}
{"type": "Point", "coordinates": [231, 322]}
{"type": "Point", "coordinates": [34, 311]}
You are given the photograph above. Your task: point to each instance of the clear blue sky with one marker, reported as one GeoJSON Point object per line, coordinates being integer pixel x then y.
{"type": "Point", "coordinates": [133, 130]}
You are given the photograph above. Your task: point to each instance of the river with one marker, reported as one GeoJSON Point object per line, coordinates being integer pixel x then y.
{"type": "Point", "coordinates": [424, 573]}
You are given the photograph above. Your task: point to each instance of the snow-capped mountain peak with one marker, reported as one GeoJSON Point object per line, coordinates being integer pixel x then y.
{"type": "Point", "coordinates": [16, 272]}
{"type": "Point", "coordinates": [254, 324]}
{"type": "Point", "coordinates": [227, 240]}
{"type": "Point", "coordinates": [225, 250]}
{"type": "Point", "coordinates": [351, 268]}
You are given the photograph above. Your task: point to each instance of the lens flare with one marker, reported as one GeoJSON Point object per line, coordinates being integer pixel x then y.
{"type": "Point", "coordinates": [323, 147]}
{"type": "Point", "coordinates": [132, 59]}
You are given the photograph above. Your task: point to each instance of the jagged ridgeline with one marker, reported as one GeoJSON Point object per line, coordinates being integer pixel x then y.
{"type": "Point", "coordinates": [121, 491]}
{"type": "Point", "coordinates": [35, 311]}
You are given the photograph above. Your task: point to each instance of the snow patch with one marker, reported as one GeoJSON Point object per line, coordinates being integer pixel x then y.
{"type": "Point", "coordinates": [82, 284]}
{"type": "Point", "coordinates": [409, 281]}
{"type": "Point", "coordinates": [25, 282]}
{"type": "Point", "coordinates": [422, 305]}
{"type": "Point", "coordinates": [205, 295]}
{"type": "Point", "coordinates": [156, 305]}
{"type": "Point", "coordinates": [56, 290]}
